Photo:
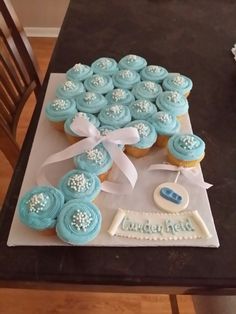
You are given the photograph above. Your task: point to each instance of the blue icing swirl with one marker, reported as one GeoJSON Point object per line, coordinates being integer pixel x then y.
{"type": "Point", "coordinates": [69, 89]}
{"type": "Point", "coordinates": [154, 73]}
{"type": "Point", "coordinates": [115, 114]}
{"type": "Point", "coordinates": [177, 82]}
{"type": "Point", "coordinates": [39, 207]}
{"type": "Point", "coordinates": [60, 109]}
{"type": "Point", "coordinates": [125, 79]}
{"type": "Point", "coordinates": [98, 83]}
{"type": "Point", "coordinates": [172, 102]}
{"type": "Point", "coordinates": [120, 95]}
{"type": "Point", "coordinates": [142, 109]}
{"type": "Point", "coordinates": [96, 160]}
{"type": "Point", "coordinates": [146, 132]}
{"type": "Point", "coordinates": [79, 72]}
{"type": "Point", "coordinates": [165, 123]}
{"type": "Point", "coordinates": [132, 62]}
{"type": "Point", "coordinates": [147, 90]}
{"type": "Point", "coordinates": [186, 146]}
{"type": "Point", "coordinates": [82, 185]}
{"type": "Point", "coordinates": [91, 102]}
{"type": "Point", "coordinates": [105, 66]}
{"type": "Point", "coordinates": [88, 116]}
{"type": "Point", "coordinates": [79, 222]}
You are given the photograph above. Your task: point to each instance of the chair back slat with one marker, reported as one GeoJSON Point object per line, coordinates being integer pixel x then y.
{"type": "Point", "coordinates": [4, 113]}
{"type": "Point", "coordinates": [9, 86]}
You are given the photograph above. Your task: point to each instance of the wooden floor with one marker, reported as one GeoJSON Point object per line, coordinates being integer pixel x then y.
{"type": "Point", "coordinates": [59, 302]}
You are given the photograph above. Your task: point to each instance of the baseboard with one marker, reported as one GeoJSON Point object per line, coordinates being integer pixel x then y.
{"type": "Point", "coordinates": [42, 31]}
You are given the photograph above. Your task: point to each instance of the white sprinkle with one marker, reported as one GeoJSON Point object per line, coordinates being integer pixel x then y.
{"type": "Point", "coordinates": [150, 86]}
{"type": "Point", "coordinates": [95, 155]}
{"type": "Point", "coordinates": [188, 142]}
{"type": "Point", "coordinates": [81, 220]}
{"type": "Point", "coordinates": [37, 202]}
{"type": "Point", "coordinates": [69, 85]}
{"type": "Point", "coordinates": [164, 117]}
{"type": "Point", "coordinates": [60, 104]}
{"type": "Point", "coordinates": [104, 63]}
{"type": "Point", "coordinates": [81, 115]}
{"type": "Point", "coordinates": [126, 74]}
{"type": "Point", "coordinates": [97, 80]}
{"type": "Point", "coordinates": [142, 106]}
{"type": "Point", "coordinates": [89, 97]}
{"type": "Point", "coordinates": [154, 69]}
{"type": "Point", "coordinates": [79, 183]}
{"type": "Point", "coordinates": [143, 129]}
{"type": "Point", "coordinates": [174, 96]}
{"type": "Point", "coordinates": [131, 58]}
{"type": "Point", "coordinates": [178, 80]}
{"type": "Point", "coordinates": [114, 111]}
{"type": "Point", "coordinates": [118, 94]}
{"type": "Point", "coordinates": [78, 67]}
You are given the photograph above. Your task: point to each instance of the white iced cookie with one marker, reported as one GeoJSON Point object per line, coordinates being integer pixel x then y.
{"type": "Point", "coordinates": [171, 197]}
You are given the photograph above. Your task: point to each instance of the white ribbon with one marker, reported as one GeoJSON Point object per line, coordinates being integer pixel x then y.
{"type": "Point", "coordinates": [83, 127]}
{"type": "Point", "coordinates": [189, 173]}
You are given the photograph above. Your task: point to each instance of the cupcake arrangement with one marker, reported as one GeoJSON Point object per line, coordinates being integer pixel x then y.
{"type": "Point", "coordinates": [110, 95]}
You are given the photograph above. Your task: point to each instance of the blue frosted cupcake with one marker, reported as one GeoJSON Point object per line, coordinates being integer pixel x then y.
{"type": "Point", "coordinates": [132, 62]}
{"type": "Point", "coordinates": [58, 110]}
{"type": "Point", "coordinates": [69, 89]}
{"type": "Point", "coordinates": [179, 83]}
{"type": "Point", "coordinates": [91, 102]}
{"type": "Point", "coordinates": [96, 160]}
{"type": "Point", "coordinates": [98, 83]}
{"type": "Point", "coordinates": [71, 135]}
{"type": "Point", "coordinates": [79, 72]}
{"type": "Point", "coordinates": [125, 79]}
{"type": "Point", "coordinates": [185, 150]}
{"type": "Point", "coordinates": [39, 208]}
{"type": "Point", "coordinates": [121, 96]}
{"type": "Point", "coordinates": [116, 115]}
{"type": "Point", "coordinates": [154, 73]}
{"type": "Point", "coordinates": [173, 102]}
{"type": "Point", "coordinates": [79, 222]}
{"type": "Point", "coordinates": [105, 66]}
{"type": "Point", "coordinates": [142, 109]}
{"type": "Point", "coordinates": [165, 125]}
{"type": "Point", "coordinates": [146, 90]}
{"type": "Point", "coordinates": [79, 184]}
{"type": "Point", "coordinates": [147, 135]}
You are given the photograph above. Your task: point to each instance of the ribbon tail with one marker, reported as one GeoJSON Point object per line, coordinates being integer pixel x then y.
{"type": "Point", "coordinates": [192, 179]}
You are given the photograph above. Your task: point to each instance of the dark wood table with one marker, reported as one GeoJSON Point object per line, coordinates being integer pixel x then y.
{"type": "Point", "coordinates": [191, 37]}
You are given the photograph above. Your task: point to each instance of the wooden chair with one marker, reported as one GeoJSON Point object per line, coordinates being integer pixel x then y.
{"type": "Point", "coordinates": [18, 78]}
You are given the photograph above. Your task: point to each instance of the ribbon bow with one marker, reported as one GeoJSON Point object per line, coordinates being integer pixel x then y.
{"type": "Point", "coordinates": [83, 127]}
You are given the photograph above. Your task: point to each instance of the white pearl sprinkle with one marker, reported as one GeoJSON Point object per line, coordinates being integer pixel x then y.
{"type": "Point", "coordinates": [37, 202]}
{"type": "Point", "coordinates": [79, 183]}
{"type": "Point", "coordinates": [131, 58]}
{"type": "Point", "coordinates": [95, 155]}
{"type": "Point", "coordinates": [114, 111]}
{"type": "Point", "coordinates": [89, 97]}
{"type": "Point", "coordinates": [150, 86]}
{"type": "Point", "coordinates": [178, 80]}
{"type": "Point", "coordinates": [81, 220]}
{"type": "Point", "coordinates": [154, 69]}
{"type": "Point", "coordinates": [69, 85]}
{"type": "Point", "coordinates": [78, 67]}
{"type": "Point", "coordinates": [164, 117]}
{"type": "Point", "coordinates": [60, 104]}
{"type": "Point", "coordinates": [126, 74]}
{"type": "Point", "coordinates": [104, 63]}
{"type": "Point", "coordinates": [142, 106]}
{"type": "Point", "coordinates": [174, 97]}
{"type": "Point", "coordinates": [143, 129]}
{"type": "Point", "coordinates": [118, 94]}
{"type": "Point", "coordinates": [188, 142]}
{"type": "Point", "coordinates": [97, 80]}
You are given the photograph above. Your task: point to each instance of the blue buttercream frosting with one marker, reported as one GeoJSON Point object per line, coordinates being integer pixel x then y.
{"type": "Point", "coordinates": [177, 82]}
{"type": "Point", "coordinates": [105, 66]}
{"type": "Point", "coordinates": [147, 133]}
{"type": "Point", "coordinates": [142, 109]}
{"type": "Point", "coordinates": [69, 89]}
{"type": "Point", "coordinates": [79, 184]}
{"type": "Point", "coordinates": [79, 222]}
{"type": "Point", "coordinates": [132, 62]}
{"type": "Point", "coordinates": [165, 123]}
{"type": "Point", "coordinates": [91, 102]}
{"type": "Point", "coordinates": [120, 95]}
{"type": "Point", "coordinates": [125, 79]}
{"type": "Point", "coordinates": [98, 83]}
{"type": "Point", "coordinates": [116, 115]}
{"type": "Point", "coordinates": [154, 73]}
{"type": "Point", "coordinates": [172, 102]}
{"type": "Point", "coordinates": [60, 109]}
{"type": "Point", "coordinates": [39, 207]}
{"type": "Point", "coordinates": [96, 160]}
{"type": "Point", "coordinates": [186, 146]}
{"type": "Point", "coordinates": [79, 72]}
{"type": "Point", "coordinates": [147, 90]}
{"type": "Point", "coordinates": [88, 116]}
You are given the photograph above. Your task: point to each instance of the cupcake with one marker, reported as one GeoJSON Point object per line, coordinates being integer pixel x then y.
{"type": "Point", "coordinates": [79, 72]}
{"type": "Point", "coordinates": [96, 160]}
{"type": "Point", "coordinates": [59, 110]}
{"type": "Point", "coordinates": [79, 184]}
{"type": "Point", "coordinates": [132, 62]}
{"type": "Point", "coordinates": [147, 135]}
{"type": "Point", "coordinates": [142, 109]}
{"type": "Point", "coordinates": [105, 66]}
{"type": "Point", "coordinates": [154, 73]}
{"type": "Point", "coordinates": [185, 150]}
{"type": "Point", "coordinates": [105, 129]}
{"type": "Point", "coordinates": [90, 102]}
{"type": "Point", "coordinates": [125, 79]}
{"type": "Point", "coordinates": [79, 222]}
{"type": "Point", "coordinates": [98, 83]}
{"type": "Point", "coordinates": [146, 90]}
{"type": "Point", "coordinates": [116, 115]}
{"type": "Point", "coordinates": [179, 83]}
{"type": "Point", "coordinates": [39, 208]}
{"type": "Point", "coordinates": [165, 125]}
{"type": "Point", "coordinates": [121, 96]}
{"type": "Point", "coordinates": [70, 134]}
{"type": "Point", "coordinates": [172, 102]}
{"type": "Point", "coordinates": [69, 89]}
